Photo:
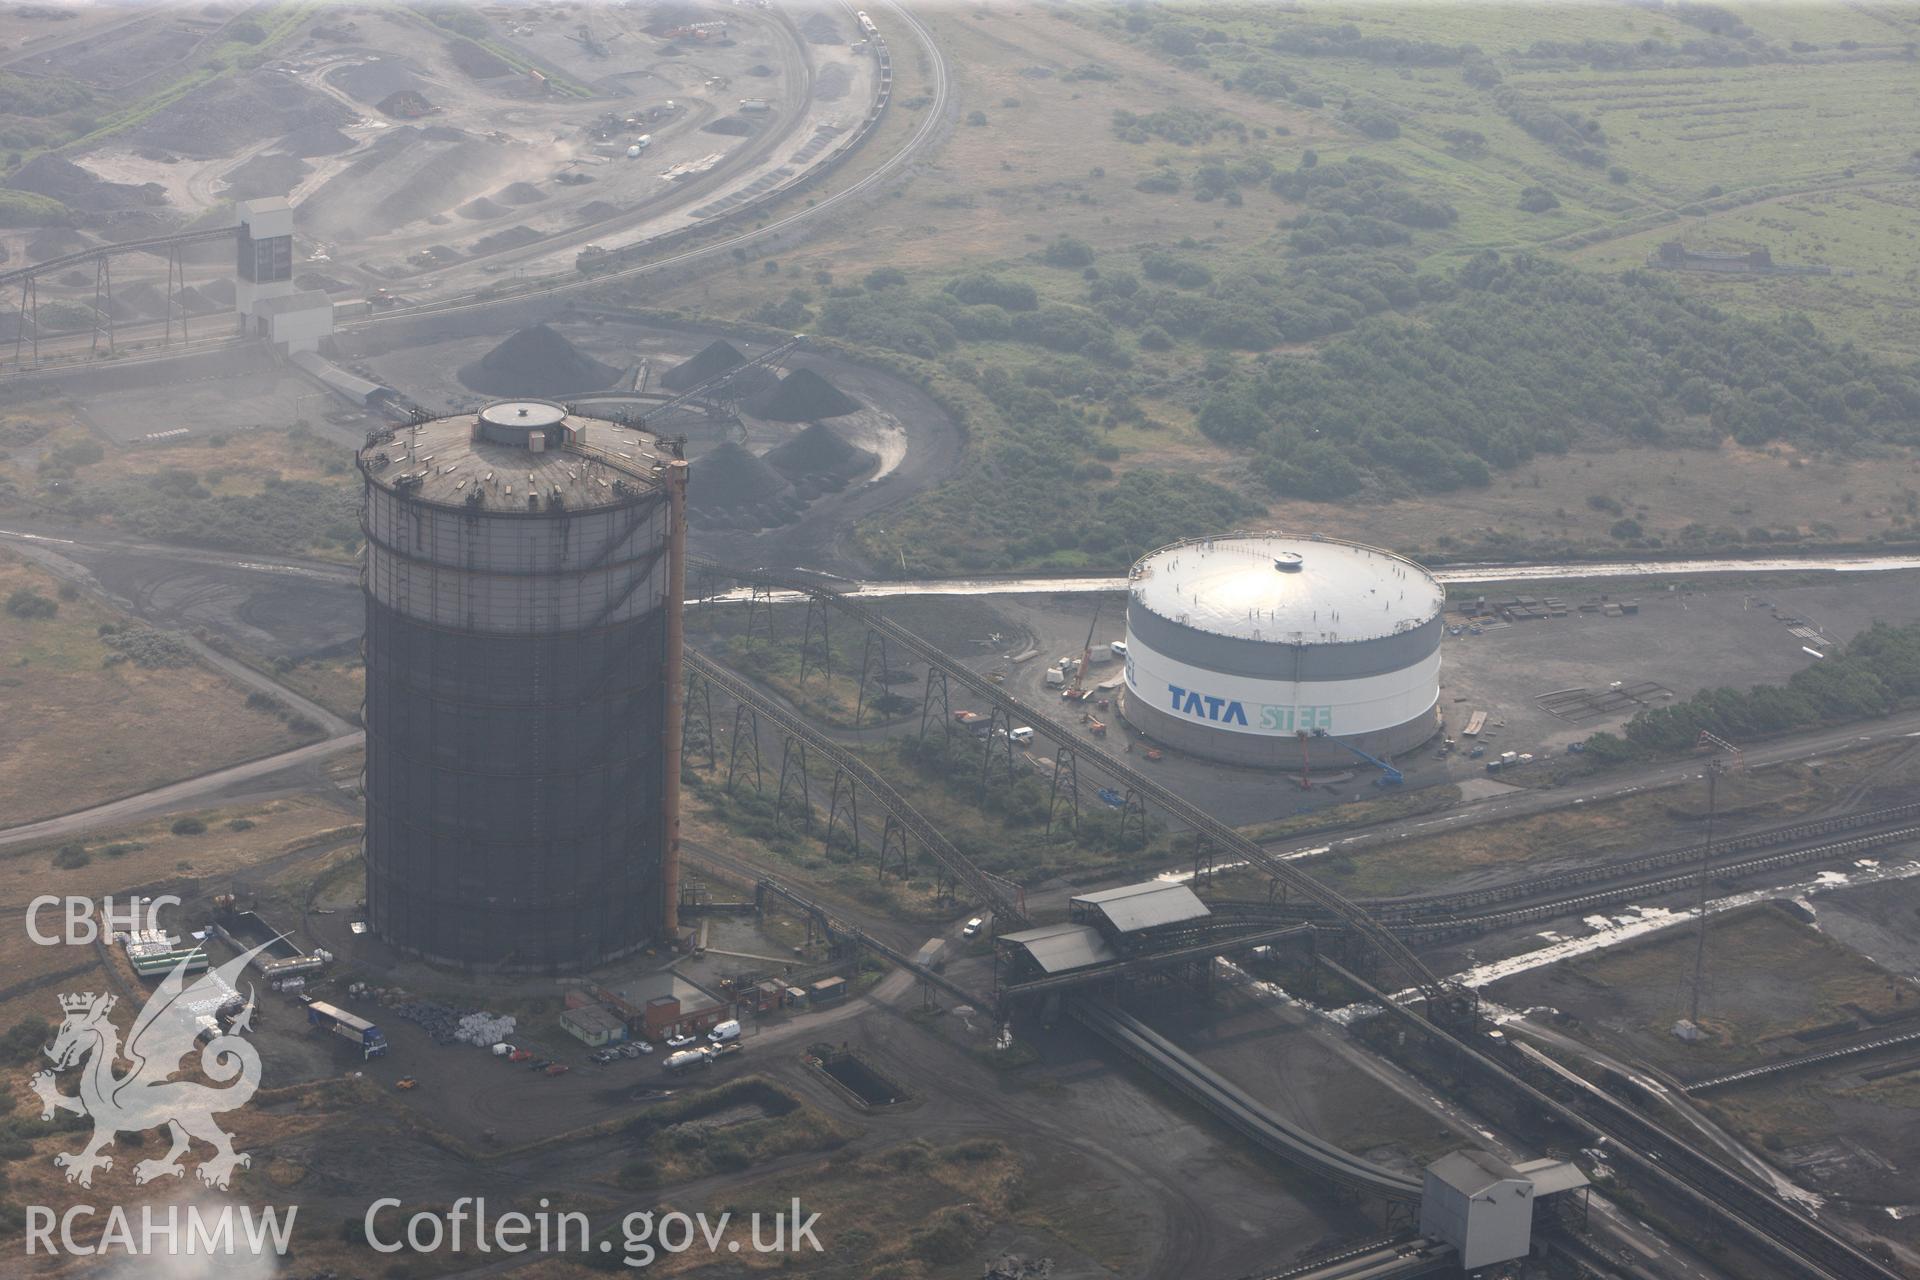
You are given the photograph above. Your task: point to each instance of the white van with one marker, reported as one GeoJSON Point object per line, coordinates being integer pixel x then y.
{"type": "Point", "coordinates": [725, 1031]}
{"type": "Point", "coordinates": [1118, 648]}
{"type": "Point", "coordinates": [1023, 735]}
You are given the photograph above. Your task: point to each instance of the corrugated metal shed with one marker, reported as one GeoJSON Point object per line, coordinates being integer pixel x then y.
{"type": "Point", "coordinates": [1472, 1172]}
{"type": "Point", "coordinates": [1057, 948]}
{"type": "Point", "coordinates": [1145, 906]}
{"type": "Point", "coordinates": [355, 389]}
{"type": "Point", "coordinates": [1551, 1177]}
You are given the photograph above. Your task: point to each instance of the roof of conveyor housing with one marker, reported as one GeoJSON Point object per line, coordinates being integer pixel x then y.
{"type": "Point", "coordinates": [1145, 906]}
{"type": "Point", "coordinates": [1058, 948]}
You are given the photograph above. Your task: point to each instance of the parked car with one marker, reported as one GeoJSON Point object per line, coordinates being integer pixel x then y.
{"type": "Point", "coordinates": [973, 927]}
{"type": "Point", "coordinates": [725, 1031]}
{"type": "Point", "coordinates": [557, 1069]}
{"type": "Point", "coordinates": [520, 1055]}
{"type": "Point", "coordinates": [681, 1041]}
{"type": "Point", "coordinates": [639, 1047]}
{"type": "Point", "coordinates": [540, 1064]}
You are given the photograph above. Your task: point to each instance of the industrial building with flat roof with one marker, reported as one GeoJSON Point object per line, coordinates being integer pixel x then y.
{"type": "Point", "coordinates": [1246, 648]}
{"type": "Point", "coordinates": [525, 567]}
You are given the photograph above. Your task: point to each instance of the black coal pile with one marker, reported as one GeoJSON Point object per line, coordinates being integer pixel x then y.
{"type": "Point", "coordinates": [820, 28]}
{"type": "Point", "coordinates": [501, 241]}
{"type": "Point", "coordinates": [305, 280]}
{"type": "Point", "coordinates": [832, 82]}
{"type": "Point", "coordinates": [194, 302]}
{"type": "Point", "coordinates": [519, 193]}
{"type": "Point", "coordinates": [316, 140]}
{"type": "Point", "coordinates": [731, 126]}
{"type": "Point", "coordinates": [48, 175]}
{"type": "Point", "coordinates": [805, 396]}
{"type": "Point", "coordinates": [272, 174]}
{"type": "Point", "coordinates": [139, 299]}
{"type": "Point", "coordinates": [220, 289]}
{"type": "Point", "coordinates": [480, 210]}
{"type": "Point", "coordinates": [731, 489]}
{"type": "Point", "coordinates": [537, 362]}
{"type": "Point", "coordinates": [476, 61]}
{"type": "Point", "coordinates": [239, 112]}
{"type": "Point", "coordinates": [54, 242]}
{"type": "Point", "coordinates": [407, 104]}
{"type": "Point", "coordinates": [713, 360]}
{"type": "Point", "coordinates": [819, 460]}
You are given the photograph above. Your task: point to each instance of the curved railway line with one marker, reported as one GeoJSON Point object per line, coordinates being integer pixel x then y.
{"type": "Point", "coordinates": [940, 92]}
{"type": "Point", "coordinates": [1806, 1248]}
{"type": "Point", "coordinates": [1188, 1076]}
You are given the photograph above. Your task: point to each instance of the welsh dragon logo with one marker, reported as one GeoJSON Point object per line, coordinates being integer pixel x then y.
{"type": "Point", "coordinates": [146, 1097]}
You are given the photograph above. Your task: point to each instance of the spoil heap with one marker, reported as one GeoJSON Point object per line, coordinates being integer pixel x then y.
{"type": "Point", "coordinates": [407, 104]}
{"type": "Point", "coordinates": [732, 489]}
{"type": "Point", "coordinates": [519, 193]}
{"type": "Point", "coordinates": [819, 461]}
{"type": "Point", "coordinates": [479, 210]}
{"type": "Point", "coordinates": [316, 140]}
{"type": "Point", "coordinates": [715, 359]}
{"type": "Point", "coordinates": [537, 362]}
{"type": "Point", "coordinates": [805, 396]}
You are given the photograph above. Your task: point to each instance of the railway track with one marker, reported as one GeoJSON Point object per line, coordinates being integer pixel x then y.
{"type": "Point", "coordinates": [1431, 924]}
{"type": "Point", "coordinates": [1450, 927]}
{"type": "Point", "coordinates": [893, 168]}
{"type": "Point", "coordinates": [1803, 1246]}
{"type": "Point", "coordinates": [1575, 877]}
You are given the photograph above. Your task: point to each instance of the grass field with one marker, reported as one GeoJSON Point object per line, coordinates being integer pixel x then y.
{"type": "Point", "coordinates": [1785, 134]}
{"type": "Point", "coordinates": [235, 837]}
{"type": "Point", "coordinates": [84, 727]}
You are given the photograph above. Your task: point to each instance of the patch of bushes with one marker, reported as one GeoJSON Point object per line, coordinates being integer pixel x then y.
{"type": "Point", "coordinates": [188, 827]}
{"type": "Point", "coordinates": [1875, 674]}
{"type": "Point", "coordinates": [25, 602]}
{"type": "Point", "coordinates": [145, 646]}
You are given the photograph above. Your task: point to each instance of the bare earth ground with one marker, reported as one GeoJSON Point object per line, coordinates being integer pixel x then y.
{"type": "Point", "coordinates": [81, 732]}
{"type": "Point", "coordinates": [1769, 977]}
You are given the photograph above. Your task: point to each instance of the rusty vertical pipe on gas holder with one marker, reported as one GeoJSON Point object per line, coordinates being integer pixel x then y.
{"type": "Point", "coordinates": [676, 693]}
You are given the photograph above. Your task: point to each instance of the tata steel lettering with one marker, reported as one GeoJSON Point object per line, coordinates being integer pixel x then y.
{"type": "Point", "coordinates": [1283, 719]}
